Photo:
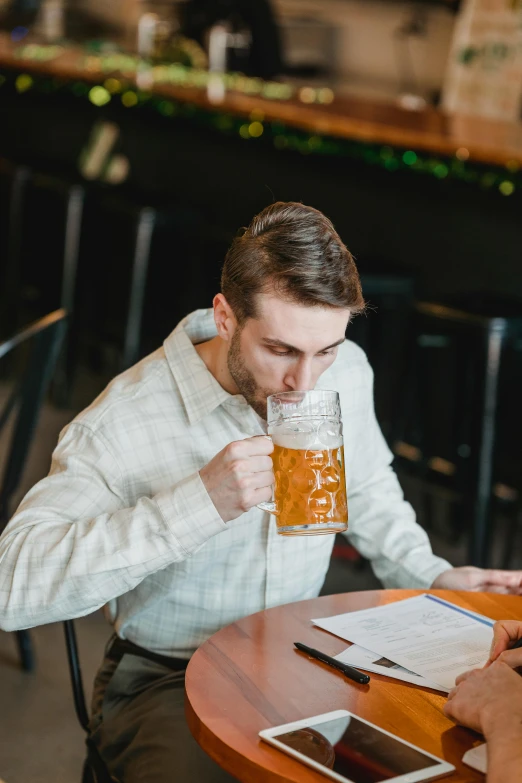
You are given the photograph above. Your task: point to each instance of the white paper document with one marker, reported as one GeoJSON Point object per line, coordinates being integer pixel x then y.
{"type": "Point", "coordinates": [425, 635]}
{"type": "Point", "coordinates": [369, 661]}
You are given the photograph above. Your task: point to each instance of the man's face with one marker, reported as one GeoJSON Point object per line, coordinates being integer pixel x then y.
{"type": "Point", "coordinates": [287, 347]}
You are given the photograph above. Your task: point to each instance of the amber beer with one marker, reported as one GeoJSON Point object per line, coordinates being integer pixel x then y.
{"type": "Point", "coordinates": [310, 488]}
{"type": "Point", "coordinates": [308, 459]}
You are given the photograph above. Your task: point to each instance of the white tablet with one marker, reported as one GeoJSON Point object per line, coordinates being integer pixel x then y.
{"type": "Point", "coordinates": [351, 750]}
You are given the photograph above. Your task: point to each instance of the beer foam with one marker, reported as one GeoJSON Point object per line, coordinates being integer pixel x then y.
{"type": "Point", "coordinates": [317, 440]}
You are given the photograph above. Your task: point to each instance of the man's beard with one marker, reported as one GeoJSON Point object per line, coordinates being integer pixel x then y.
{"type": "Point", "coordinates": [243, 378]}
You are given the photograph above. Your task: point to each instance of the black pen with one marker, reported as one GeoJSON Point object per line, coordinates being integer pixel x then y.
{"type": "Point", "coordinates": [517, 645]}
{"type": "Point", "coordinates": [353, 674]}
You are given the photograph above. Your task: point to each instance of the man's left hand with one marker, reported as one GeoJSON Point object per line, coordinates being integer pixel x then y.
{"type": "Point", "coordinates": [486, 580]}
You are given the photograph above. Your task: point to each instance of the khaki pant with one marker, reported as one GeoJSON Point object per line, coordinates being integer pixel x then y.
{"type": "Point", "coordinates": [138, 724]}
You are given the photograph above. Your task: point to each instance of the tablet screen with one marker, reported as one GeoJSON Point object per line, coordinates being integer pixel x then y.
{"type": "Point", "coordinates": [356, 750]}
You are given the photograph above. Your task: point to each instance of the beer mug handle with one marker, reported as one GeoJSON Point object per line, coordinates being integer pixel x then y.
{"type": "Point", "coordinates": [269, 506]}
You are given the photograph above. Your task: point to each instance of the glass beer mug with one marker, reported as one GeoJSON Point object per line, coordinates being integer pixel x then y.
{"type": "Point", "coordinates": [308, 457]}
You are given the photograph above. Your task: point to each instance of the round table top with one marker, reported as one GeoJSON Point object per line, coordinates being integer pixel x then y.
{"type": "Point", "coordinates": [249, 677]}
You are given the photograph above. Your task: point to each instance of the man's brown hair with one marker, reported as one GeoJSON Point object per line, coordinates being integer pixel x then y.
{"type": "Point", "coordinates": [295, 251]}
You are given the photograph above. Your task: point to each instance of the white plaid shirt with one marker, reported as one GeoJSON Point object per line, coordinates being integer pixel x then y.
{"type": "Point", "coordinates": [123, 519]}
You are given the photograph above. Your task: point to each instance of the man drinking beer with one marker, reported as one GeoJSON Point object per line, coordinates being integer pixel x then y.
{"type": "Point", "coordinates": [150, 506]}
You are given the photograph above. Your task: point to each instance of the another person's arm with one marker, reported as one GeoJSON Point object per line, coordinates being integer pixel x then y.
{"type": "Point", "coordinates": [489, 701]}
{"type": "Point", "coordinates": [77, 540]}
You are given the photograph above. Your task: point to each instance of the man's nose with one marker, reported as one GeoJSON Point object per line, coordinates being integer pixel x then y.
{"type": "Point", "coordinates": [301, 378]}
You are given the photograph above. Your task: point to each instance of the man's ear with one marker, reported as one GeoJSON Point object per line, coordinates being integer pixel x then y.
{"type": "Point", "coordinates": [225, 320]}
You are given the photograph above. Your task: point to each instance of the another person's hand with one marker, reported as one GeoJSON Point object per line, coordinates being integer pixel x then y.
{"type": "Point", "coordinates": [240, 476]}
{"type": "Point", "coordinates": [484, 580]}
{"type": "Point", "coordinates": [488, 700]}
{"type": "Point", "coordinates": [505, 634]}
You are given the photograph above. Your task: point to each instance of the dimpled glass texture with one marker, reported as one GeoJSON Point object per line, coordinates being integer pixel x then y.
{"type": "Point", "coordinates": [308, 459]}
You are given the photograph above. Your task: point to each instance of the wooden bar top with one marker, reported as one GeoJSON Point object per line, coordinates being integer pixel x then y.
{"type": "Point", "coordinates": [432, 131]}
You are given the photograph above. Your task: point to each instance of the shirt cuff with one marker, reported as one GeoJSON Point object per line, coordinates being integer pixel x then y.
{"type": "Point", "coordinates": [190, 513]}
{"type": "Point", "coordinates": [423, 579]}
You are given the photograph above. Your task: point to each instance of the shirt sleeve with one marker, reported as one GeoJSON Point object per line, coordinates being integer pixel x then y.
{"type": "Point", "coordinates": [74, 544]}
{"type": "Point", "coordinates": [382, 525]}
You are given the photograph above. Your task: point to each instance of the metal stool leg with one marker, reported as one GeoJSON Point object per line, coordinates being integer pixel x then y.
{"type": "Point", "coordinates": [480, 541]}
{"type": "Point", "coordinates": [73, 228]}
{"type": "Point", "coordinates": [144, 232]}
{"type": "Point", "coordinates": [25, 649]}
{"type": "Point", "coordinates": [515, 519]}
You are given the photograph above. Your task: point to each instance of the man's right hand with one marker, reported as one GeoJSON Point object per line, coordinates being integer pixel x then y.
{"type": "Point", "coordinates": [240, 476]}
{"type": "Point", "coordinates": [505, 634]}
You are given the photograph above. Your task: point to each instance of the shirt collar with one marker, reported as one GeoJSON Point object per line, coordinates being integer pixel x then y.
{"type": "Point", "coordinates": [200, 391]}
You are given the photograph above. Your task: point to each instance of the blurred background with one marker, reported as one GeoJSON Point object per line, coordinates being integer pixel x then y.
{"type": "Point", "coordinates": [136, 137]}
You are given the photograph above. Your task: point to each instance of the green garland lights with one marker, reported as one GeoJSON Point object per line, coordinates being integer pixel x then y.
{"type": "Point", "coordinates": [504, 180]}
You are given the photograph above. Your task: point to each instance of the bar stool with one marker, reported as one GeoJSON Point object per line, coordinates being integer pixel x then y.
{"type": "Point", "coordinates": [461, 355]}
{"type": "Point", "coordinates": [65, 222]}
{"type": "Point", "coordinates": [41, 260]}
{"type": "Point", "coordinates": [71, 197]}
{"type": "Point", "coordinates": [142, 268]}
{"type": "Point", "coordinates": [382, 332]}
{"type": "Point", "coordinates": [88, 249]}
{"type": "Point", "coordinates": [116, 248]}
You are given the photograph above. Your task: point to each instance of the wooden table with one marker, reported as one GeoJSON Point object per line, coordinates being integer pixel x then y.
{"type": "Point", "coordinates": [248, 677]}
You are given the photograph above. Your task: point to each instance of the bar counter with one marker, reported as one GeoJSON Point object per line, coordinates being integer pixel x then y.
{"type": "Point", "coordinates": [468, 138]}
{"type": "Point", "coordinates": [435, 195]}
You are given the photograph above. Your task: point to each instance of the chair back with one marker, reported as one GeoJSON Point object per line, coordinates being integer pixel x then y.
{"type": "Point", "coordinates": [95, 769]}
{"type": "Point", "coordinates": [76, 674]}
{"type": "Point", "coordinates": [31, 359]}
{"type": "Point", "coordinates": [30, 356]}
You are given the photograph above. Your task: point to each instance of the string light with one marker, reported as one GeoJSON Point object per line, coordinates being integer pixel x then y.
{"type": "Point", "coordinates": [506, 188]}
{"type": "Point", "coordinates": [488, 180]}
{"type": "Point", "coordinates": [307, 94]}
{"type": "Point", "coordinates": [325, 95]}
{"type": "Point", "coordinates": [112, 85]}
{"type": "Point", "coordinates": [38, 52]}
{"type": "Point", "coordinates": [133, 67]}
{"type": "Point", "coordinates": [23, 82]}
{"type": "Point", "coordinates": [129, 99]}
{"type": "Point", "coordinates": [441, 170]}
{"type": "Point", "coordinates": [99, 95]}
{"type": "Point", "coordinates": [167, 108]}
{"type": "Point", "coordinates": [255, 129]}
{"type": "Point", "coordinates": [391, 163]}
